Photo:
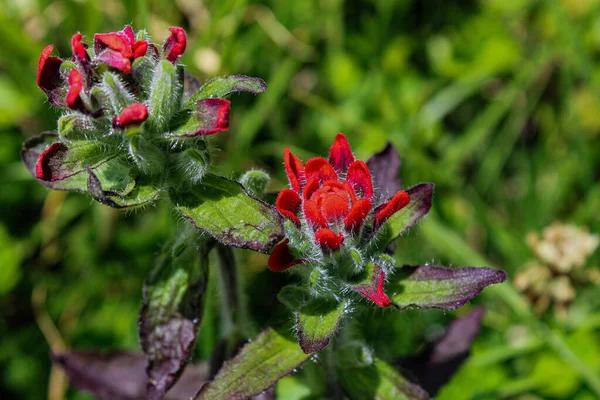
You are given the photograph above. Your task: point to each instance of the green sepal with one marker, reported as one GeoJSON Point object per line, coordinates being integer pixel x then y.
{"type": "Point", "coordinates": [140, 193]}
{"type": "Point", "coordinates": [317, 322]}
{"type": "Point", "coordinates": [293, 297]}
{"type": "Point", "coordinates": [223, 209]}
{"type": "Point", "coordinates": [116, 92]}
{"type": "Point", "coordinates": [76, 126]}
{"type": "Point", "coordinates": [165, 96]}
{"type": "Point", "coordinates": [148, 157]}
{"type": "Point", "coordinates": [142, 71]}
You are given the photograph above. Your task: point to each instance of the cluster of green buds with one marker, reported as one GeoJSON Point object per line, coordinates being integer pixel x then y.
{"type": "Point", "coordinates": [135, 122]}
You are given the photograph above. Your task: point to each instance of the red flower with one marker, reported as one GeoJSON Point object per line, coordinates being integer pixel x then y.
{"type": "Point", "coordinates": [334, 197]}
{"type": "Point", "coordinates": [119, 49]}
{"type": "Point", "coordinates": [49, 78]}
{"type": "Point", "coordinates": [175, 44]}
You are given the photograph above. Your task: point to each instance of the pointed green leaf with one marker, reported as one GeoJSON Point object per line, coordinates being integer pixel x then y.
{"type": "Point", "coordinates": [378, 381]}
{"type": "Point", "coordinates": [439, 287]}
{"type": "Point", "coordinates": [257, 367]}
{"type": "Point", "coordinates": [222, 208]}
{"type": "Point", "coordinates": [224, 86]}
{"type": "Point", "coordinates": [141, 194]}
{"type": "Point", "coordinates": [317, 322]}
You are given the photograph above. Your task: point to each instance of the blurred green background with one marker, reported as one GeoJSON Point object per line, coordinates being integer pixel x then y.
{"type": "Point", "coordinates": [497, 102]}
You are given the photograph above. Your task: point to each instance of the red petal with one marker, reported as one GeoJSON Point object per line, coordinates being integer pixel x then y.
{"type": "Point", "coordinates": [214, 114]}
{"type": "Point", "coordinates": [357, 215]}
{"type": "Point", "coordinates": [334, 207]}
{"type": "Point", "coordinates": [328, 240]}
{"type": "Point", "coordinates": [43, 169]}
{"type": "Point", "coordinates": [121, 42]}
{"type": "Point", "coordinates": [390, 207]}
{"type": "Point", "coordinates": [48, 74]}
{"type": "Point", "coordinates": [311, 187]}
{"type": "Point", "coordinates": [115, 59]}
{"type": "Point", "coordinates": [374, 291]}
{"type": "Point", "coordinates": [75, 87]}
{"type": "Point", "coordinates": [78, 47]}
{"type": "Point", "coordinates": [360, 178]}
{"type": "Point", "coordinates": [139, 48]}
{"type": "Point", "coordinates": [175, 44]}
{"type": "Point", "coordinates": [133, 114]}
{"type": "Point", "coordinates": [282, 258]}
{"type": "Point", "coordinates": [340, 154]}
{"type": "Point", "coordinates": [320, 168]}
{"type": "Point", "coordinates": [313, 215]}
{"type": "Point", "coordinates": [294, 170]}
{"type": "Point", "coordinates": [288, 203]}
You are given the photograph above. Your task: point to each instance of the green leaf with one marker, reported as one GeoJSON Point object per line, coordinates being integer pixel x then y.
{"type": "Point", "coordinates": [165, 96]}
{"type": "Point", "coordinates": [257, 367]}
{"type": "Point", "coordinates": [172, 310]}
{"type": "Point", "coordinates": [224, 86]}
{"type": "Point", "coordinates": [429, 286]}
{"type": "Point", "coordinates": [378, 381]}
{"type": "Point", "coordinates": [317, 322]}
{"type": "Point", "coordinates": [140, 195]}
{"type": "Point", "coordinates": [76, 126]}
{"type": "Point", "coordinates": [221, 208]}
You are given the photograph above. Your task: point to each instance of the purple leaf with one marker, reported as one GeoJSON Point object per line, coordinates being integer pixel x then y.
{"type": "Point", "coordinates": [209, 116]}
{"type": "Point", "coordinates": [121, 375]}
{"type": "Point", "coordinates": [190, 85]}
{"type": "Point", "coordinates": [172, 311]}
{"type": "Point", "coordinates": [384, 167]}
{"type": "Point", "coordinates": [440, 287]}
{"type": "Point", "coordinates": [441, 359]}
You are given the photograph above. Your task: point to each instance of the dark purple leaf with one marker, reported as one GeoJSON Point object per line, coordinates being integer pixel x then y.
{"type": "Point", "coordinates": [172, 311]}
{"type": "Point", "coordinates": [385, 167]}
{"type": "Point", "coordinates": [440, 287]}
{"type": "Point", "coordinates": [190, 85]}
{"type": "Point", "coordinates": [121, 375]}
{"type": "Point", "coordinates": [441, 359]}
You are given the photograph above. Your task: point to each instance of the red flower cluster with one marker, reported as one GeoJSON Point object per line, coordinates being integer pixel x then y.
{"type": "Point", "coordinates": [116, 49]}
{"type": "Point", "coordinates": [334, 197]}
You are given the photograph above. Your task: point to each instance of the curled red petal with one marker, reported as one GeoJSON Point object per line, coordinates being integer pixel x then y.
{"type": "Point", "coordinates": [334, 207]}
{"type": "Point", "coordinates": [360, 178]}
{"type": "Point", "coordinates": [139, 48]}
{"type": "Point", "coordinates": [294, 170]}
{"type": "Point", "coordinates": [281, 257]}
{"type": "Point", "coordinates": [390, 207]}
{"type": "Point", "coordinates": [43, 166]}
{"type": "Point", "coordinates": [340, 153]}
{"type": "Point", "coordinates": [175, 44]}
{"type": "Point", "coordinates": [75, 87]}
{"type": "Point", "coordinates": [311, 187]}
{"type": "Point", "coordinates": [133, 114]}
{"type": "Point", "coordinates": [328, 240]}
{"type": "Point", "coordinates": [320, 168]}
{"type": "Point", "coordinates": [78, 47]}
{"type": "Point", "coordinates": [115, 59]}
{"type": "Point", "coordinates": [48, 73]}
{"type": "Point", "coordinates": [313, 215]}
{"type": "Point", "coordinates": [121, 42]}
{"type": "Point", "coordinates": [357, 215]}
{"type": "Point", "coordinates": [288, 203]}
